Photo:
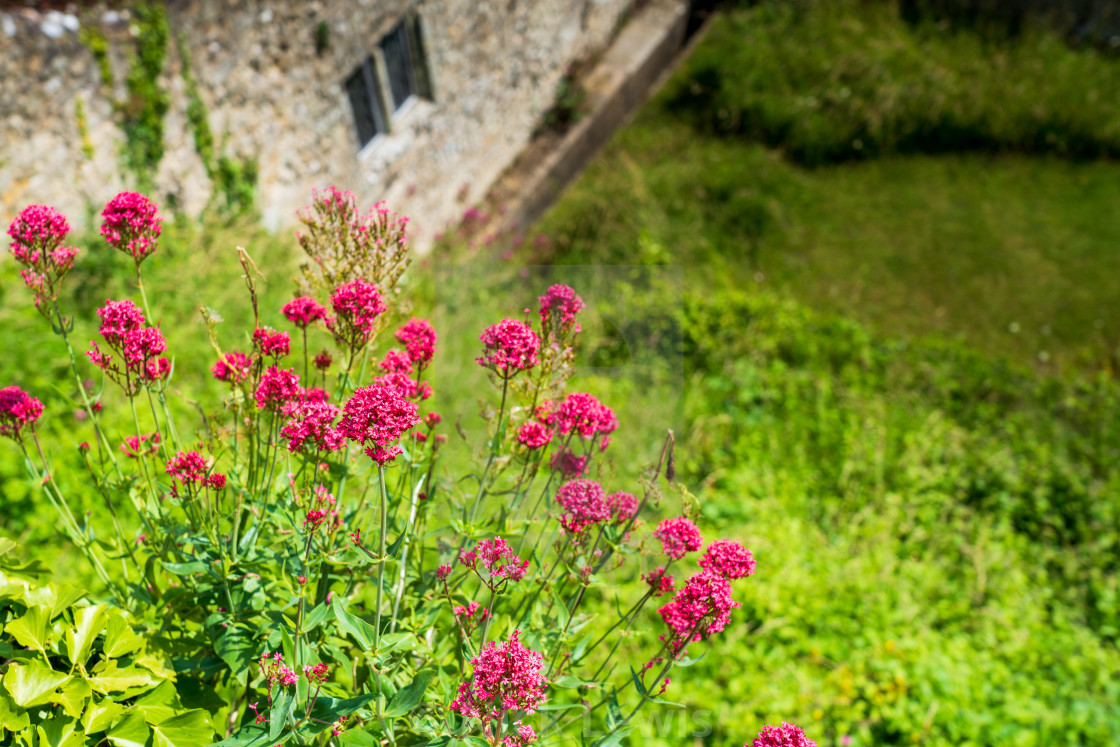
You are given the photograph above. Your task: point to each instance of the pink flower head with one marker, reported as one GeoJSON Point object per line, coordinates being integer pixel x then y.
{"type": "Point", "coordinates": [507, 677]}
{"type": "Point", "coordinates": [568, 464]}
{"type": "Point", "coordinates": [443, 572]}
{"type": "Point", "coordinates": [132, 445]}
{"type": "Point", "coordinates": [276, 672]}
{"type": "Point", "coordinates": [523, 735]}
{"type": "Point", "coordinates": [18, 410]}
{"type": "Point", "coordinates": [323, 361]}
{"type": "Point", "coordinates": [396, 362]}
{"type": "Point", "coordinates": [278, 389]}
{"type": "Point", "coordinates": [511, 346]}
{"type": "Point", "coordinates": [36, 231]}
{"type": "Point", "coordinates": [357, 305]}
{"type": "Point", "coordinates": [138, 346]}
{"type": "Point", "coordinates": [233, 368]}
{"type": "Point", "coordinates": [497, 557]}
{"type": "Point", "coordinates": [376, 416]}
{"type": "Point", "coordinates": [270, 343]}
{"type": "Point", "coordinates": [702, 607]}
{"type": "Point", "coordinates": [216, 481]}
{"type": "Point", "coordinates": [584, 504]}
{"type": "Point", "coordinates": [316, 674]}
{"type": "Point", "coordinates": [678, 536]}
{"type": "Point", "coordinates": [786, 735]}
{"type": "Point", "coordinates": [728, 558]}
{"type": "Point", "coordinates": [559, 307]}
{"type": "Point", "coordinates": [311, 425]}
{"type": "Point", "coordinates": [534, 436]}
{"type": "Point", "coordinates": [659, 581]}
{"type": "Point", "coordinates": [130, 223]}
{"type": "Point", "coordinates": [583, 413]}
{"type": "Point", "coordinates": [188, 466]}
{"type": "Point", "coordinates": [119, 319]}
{"type": "Point", "coordinates": [304, 311]}
{"type": "Point", "coordinates": [623, 507]}
{"type": "Point", "coordinates": [419, 338]}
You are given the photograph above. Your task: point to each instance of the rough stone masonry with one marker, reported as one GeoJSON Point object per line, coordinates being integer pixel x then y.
{"type": "Point", "coordinates": [271, 78]}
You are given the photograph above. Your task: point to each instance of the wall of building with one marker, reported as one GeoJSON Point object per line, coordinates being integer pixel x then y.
{"type": "Point", "coordinates": [273, 92]}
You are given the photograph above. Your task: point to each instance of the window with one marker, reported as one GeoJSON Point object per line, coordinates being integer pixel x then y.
{"type": "Point", "coordinates": [401, 75]}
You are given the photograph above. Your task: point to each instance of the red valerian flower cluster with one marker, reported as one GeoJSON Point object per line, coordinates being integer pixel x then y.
{"type": "Point", "coordinates": [278, 389]}
{"type": "Point", "coordinates": [728, 558]}
{"type": "Point", "coordinates": [786, 735]}
{"type": "Point", "coordinates": [130, 223]}
{"type": "Point", "coordinates": [568, 464]}
{"type": "Point", "coordinates": [233, 368]}
{"type": "Point", "coordinates": [702, 607]}
{"type": "Point", "coordinates": [132, 444]}
{"type": "Point", "coordinates": [18, 410]}
{"type": "Point", "coordinates": [511, 347]}
{"type": "Point", "coordinates": [357, 305]}
{"type": "Point", "coordinates": [584, 503]}
{"type": "Point", "coordinates": [37, 234]}
{"type": "Point", "coordinates": [584, 414]}
{"type": "Point", "coordinates": [304, 311]}
{"type": "Point", "coordinates": [678, 536]}
{"type": "Point", "coordinates": [136, 344]}
{"type": "Point", "coordinates": [559, 307]}
{"type": "Point", "coordinates": [376, 416]}
{"type": "Point", "coordinates": [311, 423]}
{"type": "Point", "coordinates": [497, 557]}
{"type": "Point", "coordinates": [534, 436]}
{"type": "Point", "coordinates": [396, 362]}
{"type": "Point", "coordinates": [623, 507]}
{"type": "Point", "coordinates": [507, 677]}
{"type": "Point", "coordinates": [659, 582]}
{"type": "Point", "coordinates": [419, 339]}
{"type": "Point", "coordinates": [270, 343]}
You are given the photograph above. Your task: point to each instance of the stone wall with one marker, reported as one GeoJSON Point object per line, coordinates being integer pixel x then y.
{"type": "Point", "coordinates": [274, 92]}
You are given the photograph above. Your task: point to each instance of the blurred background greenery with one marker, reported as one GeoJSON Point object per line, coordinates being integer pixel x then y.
{"type": "Point", "coordinates": [864, 265]}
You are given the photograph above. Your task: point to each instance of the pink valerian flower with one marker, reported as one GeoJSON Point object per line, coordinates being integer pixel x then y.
{"type": "Point", "coordinates": [377, 416]}
{"type": "Point", "coordinates": [786, 735]}
{"type": "Point", "coordinates": [275, 672]}
{"type": "Point", "coordinates": [338, 726]}
{"type": "Point", "coordinates": [357, 305]}
{"type": "Point", "coordinates": [568, 464]}
{"type": "Point", "coordinates": [584, 414]}
{"type": "Point", "coordinates": [443, 572]}
{"type": "Point", "coordinates": [419, 338]}
{"type": "Point", "coordinates": [534, 436]}
{"type": "Point", "coordinates": [678, 536]}
{"type": "Point", "coordinates": [270, 343]}
{"type": "Point", "coordinates": [507, 677]}
{"type": "Point", "coordinates": [130, 223]}
{"type": "Point", "coordinates": [511, 346]}
{"type": "Point", "coordinates": [396, 362]}
{"type": "Point", "coordinates": [623, 507]}
{"type": "Point", "coordinates": [216, 481]}
{"type": "Point", "coordinates": [314, 394]}
{"type": "Point", "coordinates": [317, 673]}
{"type": "Point", "coordinates": [728, 558]}
{"type": "Point", "coordinates": [659, 581]}
{"type": "Point", "coordinates": [138, 346]}
{"type": "Point", "coordinates": [497, 557]}
{"type": "Point", "coordinates": [278, 389]}
{"type": "Point", "coordinates": [311, 425]}
{"type": "Point", "coordinates": [323, 361]}
{"type": "Point", "coordinates": [584, 504]}
{"type": "Point", "coordinates": [524, 735]}
{"type": "Point", "coordinates": [304, 311]}
{"type": "Point", "coordinates": [131, 445]}
{"type": "Point", "coordinates": [18, 410]}
{"type": "Point", "coordinates": [37, 234]}
{"type": "Point", "coordinates": [559, 306]}
{"type": "Point", "coordinates": [233, 368]}
{"type": "Point", "coordinates": [187, 466]}
{"type": "Point", "coordinates": [702, 607]}
{"type": "Point", "coordinates": [471, 616]}
{"type": "Point", "coordinates": [546, 412]}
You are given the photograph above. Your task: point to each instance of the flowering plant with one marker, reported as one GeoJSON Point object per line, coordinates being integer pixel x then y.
{"type": "Point", "coordinates": [309, 564]}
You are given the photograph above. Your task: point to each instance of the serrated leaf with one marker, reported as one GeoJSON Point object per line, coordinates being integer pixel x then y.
{"type": "Point", "coordinates": [32, 683]}
{"type": "Point", "coordinates": [410, 696]}
{"type": "Point", "coordinates": [88, 623]}
{"type": "Point", "coordinates": [130, 731]}
{"type": "Point", "coordinates": [120, 638]}
{"type": "Point", "coordinates": [363, 632]}
{"type": "Point", "coordinates": [185, 730]}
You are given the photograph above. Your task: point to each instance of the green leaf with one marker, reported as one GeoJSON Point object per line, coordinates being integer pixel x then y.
{"type": "Point", "coordinates": [160, 704]}
{"type": "Point", "coordinates": [637, 682]}
{"type": "Point", "coordinates": [88, 622]}
{"type": "Point", "coordinates": [130, 731]}
{"type": "Point", "coordinates": [613, 739]}
{"type": "Point", "coordinates": [61, 731]}
{"type": "Point", "coordinates": [409, 697]}
{"type": "Point", "coordinates": [31, 629]}
{"type": "Point", "coordinates": [73, 697]}
{"type": "Point", "coordinates": [253, 736]}
{"type": "Point", "coordinates": [109, 678]}
{"type": "Point", "coordinates": [567, 681]}
{"type": "Point", "coordinates": [391, 551]}
{"type": "Point", "coordinates": [32, 683]}
{"type": "Point", "coordinates": [237, 649]}
{"type": "Point", "coordinates": [12, 717]}
{"type": "Point", "coordinates": [363, 632]}
{"type": "Point", "coordinates": [185, 730]}
{"type": "Point", "coordinates": [406, 641]}
{"type": "Point", "coordinates": [357, 738]}
{"type": "Point", "coordinates": [120, 639]}
{"type": "Point", "coordinates": [100, 714]}
{"type": "Point", "coordinates": [281, 707]}
{"type": "Point", "coordinates": [186, 569]}
{"type": "Point", "coordinates": [315, 617]}
{"type": "Point", "coordinates": [327, 710]}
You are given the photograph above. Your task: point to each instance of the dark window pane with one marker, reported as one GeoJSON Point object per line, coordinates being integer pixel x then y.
{"type": "Point", "coordinates": [365, 103]}
{"type": "Point", "coordinates": [419, 58]}
{"type": "Point", "coordinates": [398, 65]}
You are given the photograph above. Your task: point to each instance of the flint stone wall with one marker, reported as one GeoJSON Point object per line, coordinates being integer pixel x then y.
{"type": "Point", "coordinates": [494, 67]}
